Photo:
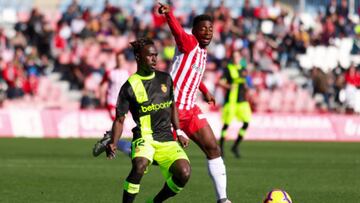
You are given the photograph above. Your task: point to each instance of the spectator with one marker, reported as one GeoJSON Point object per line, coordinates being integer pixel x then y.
{"type": "Point", "coordinates": [356, 42]}
{"type": "Point", "coordinates": [343, 9]}
{"type": "Point", "coordinates": [81, 36]}
{"type": "Point", "coordinates": [320, 88]}
{"type": "Point", "coordinates": [247, 11]}
{"type": "Point", "coordinates": [352, 89]}
{"type": "Point", "coordinates": [331, 8]}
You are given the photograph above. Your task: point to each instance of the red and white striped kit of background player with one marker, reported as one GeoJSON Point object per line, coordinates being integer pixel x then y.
{"type": "Point", "coordinates": [188, 66]}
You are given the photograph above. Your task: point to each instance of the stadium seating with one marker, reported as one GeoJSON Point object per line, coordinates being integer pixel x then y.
{"type": "Point", "coordinates": [328, 58]}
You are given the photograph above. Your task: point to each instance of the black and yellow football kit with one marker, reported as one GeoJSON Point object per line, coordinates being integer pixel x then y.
{"type": "Point", "coordinates": [236, 105]}
{"type": "Point", "coordinates": [150, 101]}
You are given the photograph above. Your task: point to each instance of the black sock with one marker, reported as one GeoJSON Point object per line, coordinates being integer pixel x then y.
{"type": "Point", "coordinates": [237, 141]}
{"type": "Point", "coordinates": [222, 136]}
{"type": "Point", "coordinates": [164, 194]}
{"type": "Point", "coordinates": [221, 143]}
{"type": "Point", "coordinates": [128, 197]}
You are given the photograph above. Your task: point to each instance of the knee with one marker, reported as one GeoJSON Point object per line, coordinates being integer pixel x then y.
{"type": "Point", "coordinates": [212, 151]}
{"type": "Point", "coordinates": [139, 167]}
{"type": "Point", "coordinates": [183, 175]}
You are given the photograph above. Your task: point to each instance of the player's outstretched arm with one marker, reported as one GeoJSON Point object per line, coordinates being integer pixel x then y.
{"type": "Point", "coordinates": [184, 41]}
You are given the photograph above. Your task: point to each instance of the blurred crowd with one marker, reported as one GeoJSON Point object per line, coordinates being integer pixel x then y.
{"type": "Point", "coordinates": [82, 46]}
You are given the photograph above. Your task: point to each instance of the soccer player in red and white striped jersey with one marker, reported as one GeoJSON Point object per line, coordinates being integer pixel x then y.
{"type": "Point", "coordinates": [187, 71]}
{"type": "Point", "coordinates": [111, 84]}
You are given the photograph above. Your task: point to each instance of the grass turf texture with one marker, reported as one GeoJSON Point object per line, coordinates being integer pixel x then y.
{"type": "Point", "coordinates": [63, 170]}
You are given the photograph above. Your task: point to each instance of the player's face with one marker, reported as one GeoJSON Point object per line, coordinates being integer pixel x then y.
{"type": "Point", "coordinates": [148, 57]}
{"type": "Point", "coordinates": [203, 32]}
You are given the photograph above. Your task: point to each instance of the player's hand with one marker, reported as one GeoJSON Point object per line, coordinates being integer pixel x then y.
{"type": "Point", "coordinates": [209, 98]}
{"type": "Point", "coordinates": [111, 151]}
{"type": "Point", "coordinates": [182, 138]}
{"type": "Point", "coordinates": [163, 9]}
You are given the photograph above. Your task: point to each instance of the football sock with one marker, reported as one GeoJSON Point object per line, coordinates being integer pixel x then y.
{"type": "Point", "coordinates": [128, 197]}
{"type": "Point", "coordinates": [222, 145]}
{"type": "Point", "coordinates": [241, 135]}
{"type": "Point", "coordinates": [217, 172]}
{"type": "Point", "coordinates": [222, 138]}
{"type": "Point", "coordinates": [130, 191]}
{"type": "Point", "coordinates": [237, 141]}
{"type": "Point", "coordinates": [170, 189]}
{"type": "Point", "coordinates": [223, 130]}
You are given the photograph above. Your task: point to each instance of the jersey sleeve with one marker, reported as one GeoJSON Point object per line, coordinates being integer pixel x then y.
{"type": "Point", "coordinates": [226, 76]}
{"type": "Point", "coordinates": [171, 85]}
{"type": "Point", "coordinates": [184, 41]}
{"type": "Point", "coordinates": [123, 103]}
{"type": "Point", "coordinates": [203, 88]}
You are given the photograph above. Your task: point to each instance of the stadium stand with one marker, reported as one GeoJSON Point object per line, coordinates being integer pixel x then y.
{"type": "Point", "coordinates": [303, 63]}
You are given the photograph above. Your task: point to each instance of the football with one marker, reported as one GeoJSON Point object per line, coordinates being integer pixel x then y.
{"type": "Point", "coordinates": [277, 196]}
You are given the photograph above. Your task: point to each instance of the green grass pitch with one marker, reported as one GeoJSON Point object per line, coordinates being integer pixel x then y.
{"type": "Point", "coordinates": [63, 170]}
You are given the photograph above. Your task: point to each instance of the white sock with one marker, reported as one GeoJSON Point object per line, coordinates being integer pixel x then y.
{"type": "Point", "coordinates": [217, 172]}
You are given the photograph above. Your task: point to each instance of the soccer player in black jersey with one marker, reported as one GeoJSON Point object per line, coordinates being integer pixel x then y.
{"type": "Point", "coordinates": [236, 106]}
{"type": "Point", "coordinates": [148, 94]}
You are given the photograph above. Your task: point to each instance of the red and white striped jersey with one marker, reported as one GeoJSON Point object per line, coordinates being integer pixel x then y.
{"type": "Point", "coordinates": [188, 65]}
{"type": "Point", "coordinates": [115, 78]}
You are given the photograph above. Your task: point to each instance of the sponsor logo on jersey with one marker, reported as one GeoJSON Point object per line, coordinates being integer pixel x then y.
{"type": "Point", "coordinates": [156, 107]}
{"type": "Point", "coordinates": [196, 68]}
{"type": "Point", "coordinates": [163, 88]}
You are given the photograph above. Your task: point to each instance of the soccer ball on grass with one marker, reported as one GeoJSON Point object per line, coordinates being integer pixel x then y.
{"type": "Point", "coordinates": [277, 196]}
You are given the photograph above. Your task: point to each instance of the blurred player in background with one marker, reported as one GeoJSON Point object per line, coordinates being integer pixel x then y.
{"type": "Point", "coordinates": [236, 105]}
{"type": "Point", "coordinates": [187, 71]}
{"type": "Point", "coordinates": [109, 89]}
{"type": "Point", "coordinates": [148, 95]}
{"type": "Point", "coordinates": [111, 83]}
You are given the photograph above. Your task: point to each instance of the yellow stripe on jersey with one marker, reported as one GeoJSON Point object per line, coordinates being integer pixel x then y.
{"type": "Point", "coordinates": [138, 88]}
{"type": "Point", "coordinates": [145, 126]}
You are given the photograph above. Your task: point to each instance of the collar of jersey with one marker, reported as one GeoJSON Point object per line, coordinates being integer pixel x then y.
{"type": "Point", "coordinates": [148, 77]}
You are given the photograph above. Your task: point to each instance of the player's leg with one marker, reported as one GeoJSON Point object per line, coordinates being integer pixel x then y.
{"type": "Point", "coordinates": [227, 116]}
{"type": "Point", "coordinates": [122, 145]}
{"type": "Point", "coordinates": [197, 128]}
{"type": "Point", "coordinates": [100, 146]}
{"type": "Point", "coordinates": [175, 167]}
{"type": "Point", "coordinates": [222, 138]}
{"type": "Point", "coordinates": [132, 182]}
{"type": "Point", "coordinates": [174, 184]}
{"type": "Point", "coordinates": [205, 139]}
{"type": "Point", "coordinates": [236, 146]}
{"type": "Point", "coordinates": [244, 114]}
{"type": "Point", "coordinates": [142, 155]}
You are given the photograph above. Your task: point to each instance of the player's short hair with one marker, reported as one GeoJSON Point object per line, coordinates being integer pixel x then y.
{"type": "Point", "coordinates": [203, 17]}
{"type": "Point", "coordinates": [140, 44]}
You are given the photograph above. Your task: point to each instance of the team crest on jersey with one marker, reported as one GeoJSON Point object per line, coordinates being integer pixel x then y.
{"type": "Point", "coordinates": [163, 88]}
